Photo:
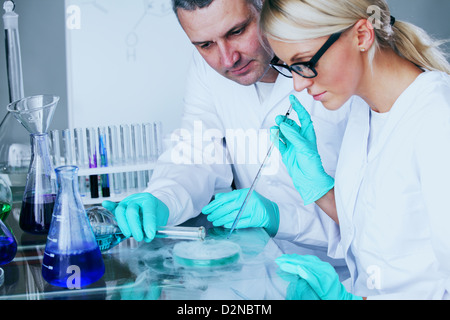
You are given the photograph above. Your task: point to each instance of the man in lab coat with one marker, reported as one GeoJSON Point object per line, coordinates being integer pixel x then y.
{"type": "Point", "coordinates": [232, 98]}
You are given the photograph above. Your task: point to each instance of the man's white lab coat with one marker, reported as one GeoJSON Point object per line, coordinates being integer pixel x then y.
{"type": "Point", "coordinates": [224, 122]}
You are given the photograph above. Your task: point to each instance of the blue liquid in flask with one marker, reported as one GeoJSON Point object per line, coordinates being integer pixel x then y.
{"type": "Point", "coordinates": [72, 258]}
{"type": "Point", "coordinates": [73, 270]}
{"type": "Point", "coordinates": [36, 214]}
{"type": "Point", "coordinates": [8, 249]}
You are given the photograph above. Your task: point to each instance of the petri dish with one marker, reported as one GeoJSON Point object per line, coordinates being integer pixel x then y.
{"type": "Point", "coordinates": [209, 253]}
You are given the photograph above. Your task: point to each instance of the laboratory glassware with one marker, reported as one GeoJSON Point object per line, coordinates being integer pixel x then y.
{"type": "Point", "coordinates": [255, 181]}
{"type": "Point", "coordinates": [13, 55]}
{"type": "Point", "coordinates": [14, 147]}
{"type": "Point", "coordinates": [92, 154]}
{"type": "Point", "coordinates": [8, 244]}
{"type": "Point", "coordinates": [210, 253]}
{"type": "Point", "coordinates": [14, 150]}
{"type": "Point", "coordinates": [5, 199]}
{"type": "Point", "coordinates": [72, 258]}
{"type": "Point", "coordinates": [108, 234]}
{"type": "Point", "coordinates": [35, 114]}
{"type": "Point", "coordinates": [115, 158]}
{"type": "Point", "coordinates": [104, 153]}
{"type": "Point", "coordinates": [8, 248]}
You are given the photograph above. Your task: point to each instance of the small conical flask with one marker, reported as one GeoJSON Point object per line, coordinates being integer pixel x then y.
{"type": "Point", "coordinates": [35, 113]}
{"type": "Point", "coordinates": [72, 258]}
{"type": "Point", "coordinates": [8, 244]}
{"type": "Point", "coordinates": [6, 199]}
{"type": "Point", "coordinates": [40, 190]}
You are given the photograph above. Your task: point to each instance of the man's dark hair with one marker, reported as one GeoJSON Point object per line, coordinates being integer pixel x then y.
{"type": "Point", "coordinates": [199, 4]}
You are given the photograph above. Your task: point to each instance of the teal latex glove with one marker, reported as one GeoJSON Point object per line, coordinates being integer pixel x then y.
{"type": "Point", "coordinates": [139, 215]}
{"type": "Point", "coordinates": [298, 288]}
{"type": "Point", "coordinates": [320, 275]}
{"type": "Point", "coordinates": [298, 148]}
{"type": "Point", "coordinates": [259, 211]}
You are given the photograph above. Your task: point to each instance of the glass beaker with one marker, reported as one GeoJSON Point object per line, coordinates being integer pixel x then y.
{"type": "Point", "coordinates": [5, 199]}
{"type": "Point", "coordinates": [72, 258]}
{"type": "Point", "coordinates": [35, 114]}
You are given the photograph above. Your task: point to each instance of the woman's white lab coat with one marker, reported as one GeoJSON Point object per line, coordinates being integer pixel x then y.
{"type": "Point", "coordinates": [221, 111]}
{"type": "Point", "coordinates": [397, 245]}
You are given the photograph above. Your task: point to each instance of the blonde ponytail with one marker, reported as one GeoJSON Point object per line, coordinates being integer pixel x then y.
{"type": "Point", "coordinates": [415, 45]}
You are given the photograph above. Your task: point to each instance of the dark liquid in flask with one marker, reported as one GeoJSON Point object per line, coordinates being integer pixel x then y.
{"type": "Point", "coordinates": [36, 214]}
{"type": "Point", "coordinates": [5, 209]}
{"type": "Point", "coordinates": [8, 249]}
{"type": "Point", "coordinates": [70, 270]}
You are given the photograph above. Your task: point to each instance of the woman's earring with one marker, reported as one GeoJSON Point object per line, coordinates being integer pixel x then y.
{"type": "Point", "coordinates": [362, 49]}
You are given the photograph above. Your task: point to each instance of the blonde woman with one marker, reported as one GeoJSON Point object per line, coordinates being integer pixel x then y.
{"type": "Point", "coordinates": [392, 185]}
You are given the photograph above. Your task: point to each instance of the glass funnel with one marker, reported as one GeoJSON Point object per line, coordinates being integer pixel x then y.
{"type": "Point", "coordinates": [72, 258]}
{"type": "Point", "coordinates": [35, 114]}
{"type": "Point", "coordinates": [5, 199]}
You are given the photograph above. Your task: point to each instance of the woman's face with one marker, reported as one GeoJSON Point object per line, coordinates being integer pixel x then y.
{"type": "Point", "coordinates": [339, 70]}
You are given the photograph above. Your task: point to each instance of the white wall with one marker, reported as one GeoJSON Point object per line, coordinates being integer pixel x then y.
{"type": "Point", "coordinates": [127, 62]}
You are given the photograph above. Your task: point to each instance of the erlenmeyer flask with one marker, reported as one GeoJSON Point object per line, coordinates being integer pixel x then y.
{"type": "Point", "coordinates": [72, 258]}
{"type": "Point", "coordinates": [35, 114]}
{"type": "Point", "coordinates": [8, 245]}
{"type": "Point", "coordinates": [40, 190]}
{"type": "Point", "coordinates": [5, 199]}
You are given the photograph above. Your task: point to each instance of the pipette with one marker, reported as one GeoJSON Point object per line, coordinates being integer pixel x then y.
{"type": "Point", "coordinates": [253, 186]}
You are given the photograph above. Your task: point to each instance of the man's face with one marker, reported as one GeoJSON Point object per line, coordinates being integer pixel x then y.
{"type": "Point", "coordinates": [226, 35]}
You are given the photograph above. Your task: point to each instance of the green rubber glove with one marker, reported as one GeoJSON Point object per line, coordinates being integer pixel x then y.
{"type": "Point", "coordinates": [320, 275]}
{"type": "Point", "coordinates": [139, 215]}
{"type": "Point", "coordinates": [259, 211]}
{"type": "Point", "coordinates": [298, 149]}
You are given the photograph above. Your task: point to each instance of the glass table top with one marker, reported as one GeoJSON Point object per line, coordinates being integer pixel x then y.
{"type": "Point", "coordinates": [149, 271]}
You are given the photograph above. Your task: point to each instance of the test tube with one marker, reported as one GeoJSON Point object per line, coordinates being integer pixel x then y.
{"type": "Point", "coordinates": [187, 233]}
{"type": "Point", "coordinates": [157, 135]}
{"type": "Point", "coordinates": [128, 156]}
{"type": "Point", "coordinates": [104, 154]}
{"type": "Point", "coordinates": [148, 141]}
{"type": "Point", "coordinates": [80, 148]}
{"type": "Point", "coordinates": [137, 142]}
{"type": "Point", "coordinates": [136, 131]}
{"type": "Point", "coordinates": [56, 148]}
{"type": "Point", "coordinates": [69, 147]}
{"type": "Point", "coordinates": [115, 158]}
{"type": "Point", "coordinates": [92, 155]}
{"type": "Point", "coordinates": [81, 158]}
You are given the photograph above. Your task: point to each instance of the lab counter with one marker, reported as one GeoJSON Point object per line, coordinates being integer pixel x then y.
{"type": "Point", "coordinates": [143, 270]}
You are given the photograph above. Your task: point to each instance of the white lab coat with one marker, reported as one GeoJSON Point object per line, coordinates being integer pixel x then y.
{"type": "Point", "coordinates": [216, 106]}
{"type": "Point", "coordinates": [398, 245]}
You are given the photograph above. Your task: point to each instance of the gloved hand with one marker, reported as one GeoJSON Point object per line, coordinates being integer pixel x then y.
{"type": "Point", "coordinates": [139, 215]}
{"type": "Point", "coordinates": [259, 211]}
{"type": "Point", "coordinates": [298, 149]}
{"type": "Point", "coordinates": [298, 288]}
{"type": "Point", "coordinates": [320, 275]}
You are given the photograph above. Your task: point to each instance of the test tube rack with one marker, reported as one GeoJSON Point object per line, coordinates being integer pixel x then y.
{"type": "Point", "coordinates": [114, 161]}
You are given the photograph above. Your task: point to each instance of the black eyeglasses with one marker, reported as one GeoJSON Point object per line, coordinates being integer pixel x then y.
{"type": "Point", "coordinates": [305, 69]}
